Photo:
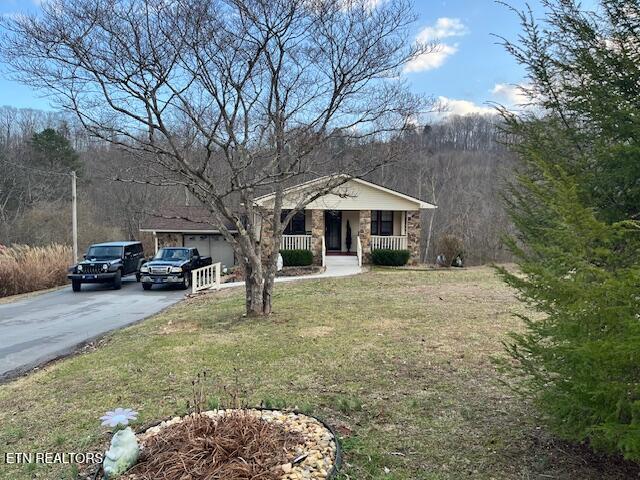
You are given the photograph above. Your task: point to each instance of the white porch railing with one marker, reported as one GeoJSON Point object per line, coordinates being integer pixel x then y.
{"type": "Point", "coordinates": [324, 251]}
{"type": "Point", "coordinates": [295, 242]}
{"type": "Point", "coordinates": [206, 278]}
{"type": "Point", "coordinates": [392, 242]}
{"type": "Point", "coordinates": [359, 250]}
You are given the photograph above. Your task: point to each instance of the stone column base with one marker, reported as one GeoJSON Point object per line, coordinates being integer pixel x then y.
{"type": "Point", "coordinates": [364, 232]}
{"type": "Point", "coordinates": [413, 235]}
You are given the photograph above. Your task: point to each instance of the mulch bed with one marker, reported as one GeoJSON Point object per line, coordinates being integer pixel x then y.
{"type": "Point", "coordinates": [243, 444]}
{"type": "Point", "coordinates": [298, 271]}
{"type": "Point", "coordinates": [236, 446]}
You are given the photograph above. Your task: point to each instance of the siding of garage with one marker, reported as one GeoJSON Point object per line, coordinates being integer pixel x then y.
{"type": "Point", "coordinates": [214, 246]}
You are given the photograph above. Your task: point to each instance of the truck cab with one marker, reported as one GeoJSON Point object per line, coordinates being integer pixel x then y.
{"type": "Point", "coordinates": [172, 266]}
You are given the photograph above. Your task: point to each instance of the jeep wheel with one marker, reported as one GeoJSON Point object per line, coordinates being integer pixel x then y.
{"type": "Point", "coordinates": [186, 282]}
{"type": "Point", "coordinates": [76, 286]}
{"type": "Point", "coordinates": [146, 286]}
{"type": "Point", "coordinates": [117, 280]}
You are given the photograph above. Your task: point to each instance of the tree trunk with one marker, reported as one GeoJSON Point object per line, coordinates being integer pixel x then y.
{"type": "Point", "coordinates": [269, 281]}
{"type": "Point", "coordinates": [254, 287]}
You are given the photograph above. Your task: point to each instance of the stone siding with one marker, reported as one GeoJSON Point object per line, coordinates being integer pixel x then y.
{"type": "Point", "coordinates": [364, 232]}
{"type": "Point", "coordinates": [413, 235]}
{"type": "Point", "coordinates": [170, 240]}
{"type": "Point", "coordinates": [317, 232]}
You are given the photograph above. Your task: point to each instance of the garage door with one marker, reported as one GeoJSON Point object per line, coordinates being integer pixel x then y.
{"type": "Point", "coordinates": [214, 246]}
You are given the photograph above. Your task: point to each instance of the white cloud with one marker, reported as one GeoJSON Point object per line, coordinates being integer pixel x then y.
{"type": "Point", "coordinates": [512, 95]}
{"type": "Point", "coordinates": [431, 60]}
{"type": "Point", "coordinates": [462, 107]}
{"type": "Point", "coordinates": [444, 27]}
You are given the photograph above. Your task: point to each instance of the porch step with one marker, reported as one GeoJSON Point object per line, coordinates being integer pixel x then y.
{"type": "Point", "coordinates": [340, 260]}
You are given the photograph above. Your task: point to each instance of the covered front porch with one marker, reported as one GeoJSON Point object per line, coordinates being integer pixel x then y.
{"type": "Point", "coordinates": [351, 232]}
{"type": "Point", "coordinates": [355, 218]}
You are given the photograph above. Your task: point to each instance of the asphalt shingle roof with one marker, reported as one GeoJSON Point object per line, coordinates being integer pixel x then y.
{"type": "Point", "coordinates": [180, 219]}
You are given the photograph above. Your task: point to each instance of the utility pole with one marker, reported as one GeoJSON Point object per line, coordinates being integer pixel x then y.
{"type": "Point", "coordinates": [74, 216]}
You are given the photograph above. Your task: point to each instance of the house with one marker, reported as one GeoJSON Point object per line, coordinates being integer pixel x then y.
{"type": "Point", "coordinates": [375, 216]}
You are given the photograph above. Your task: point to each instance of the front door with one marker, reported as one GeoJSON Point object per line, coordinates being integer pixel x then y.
{"type": "Point", "coordinates": [333, 229]}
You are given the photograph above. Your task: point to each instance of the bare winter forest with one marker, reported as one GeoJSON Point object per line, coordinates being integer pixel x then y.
{"type": "Point", "coordinates": [458, 163]}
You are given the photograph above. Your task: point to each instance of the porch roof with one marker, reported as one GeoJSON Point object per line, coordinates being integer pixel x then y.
{"type": "Point", "coordinates": [354, 194]}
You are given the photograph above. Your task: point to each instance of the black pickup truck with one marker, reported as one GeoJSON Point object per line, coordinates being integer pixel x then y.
{"type": "Point", "coordinates": [107, 263]}
{"type": "Point", "coordinates": [172, 266]}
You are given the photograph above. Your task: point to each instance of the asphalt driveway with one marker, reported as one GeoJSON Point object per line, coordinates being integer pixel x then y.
{"type": "Point", "coordinates": [37, 329]}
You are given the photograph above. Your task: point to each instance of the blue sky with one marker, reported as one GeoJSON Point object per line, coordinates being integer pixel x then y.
{"type": "Point", "coordinates": [469, 70]}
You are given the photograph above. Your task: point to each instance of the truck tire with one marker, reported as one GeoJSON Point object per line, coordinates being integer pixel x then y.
{"type": "Point", "coordinates": [138, 277]}
{"type": "Point", "coordinates": [146, 286]}
{"type": "Point", "coordinates": [76, 286]}
{"type": "Point", "coordinates": [186, 282]}
{"type": "Point", "coordinates": [117, 280]}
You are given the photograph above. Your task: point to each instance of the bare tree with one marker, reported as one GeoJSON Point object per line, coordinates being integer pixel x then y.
{"type": "Point", "coordinates": [228, 98]}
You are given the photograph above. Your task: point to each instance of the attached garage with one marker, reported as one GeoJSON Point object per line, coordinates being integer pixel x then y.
{"type": "Point", "coordinates": [190, 227]}
{"type": "Point", "coordinates": [214, 246]}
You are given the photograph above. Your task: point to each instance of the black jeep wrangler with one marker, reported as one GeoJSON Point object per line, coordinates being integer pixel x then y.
{"type": "Point", "coordinates": [172, 266]}
{"type": "Point", "coordinates": [107, 263]}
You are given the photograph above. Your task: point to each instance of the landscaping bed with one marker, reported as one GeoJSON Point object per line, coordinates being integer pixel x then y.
{"type": "Point", "coordinates": [236, 444]}
{"type": "Point", "coordinates": [300, 271]}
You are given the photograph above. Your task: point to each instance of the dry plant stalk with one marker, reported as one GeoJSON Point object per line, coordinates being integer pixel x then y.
{"type": "Point", "coordinates": [238, 446]}
{"type": "Point", "coordinates": [26, 269]}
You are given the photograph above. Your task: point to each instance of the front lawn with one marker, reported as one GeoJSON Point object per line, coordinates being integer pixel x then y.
{"type": "Point", "coordinates": [399, 361]}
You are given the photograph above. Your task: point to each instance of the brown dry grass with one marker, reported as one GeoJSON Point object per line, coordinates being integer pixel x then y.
{"type": "Point", "coordinates": [26, 269]}
{"type": "Point", "coordinates": [233, 447]}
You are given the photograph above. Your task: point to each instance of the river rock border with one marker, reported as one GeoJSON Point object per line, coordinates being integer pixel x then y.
{"type": "Point", "coordinates": [317, 459]}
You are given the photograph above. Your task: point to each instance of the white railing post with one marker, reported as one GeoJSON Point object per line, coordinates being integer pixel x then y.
{"type": "Point", "coordinates": [359, 250]}
{"type": "Point", "coordinates": [206, 277]}
{"type": "Point", "coordinates": [295, 242]}
{"type": "Point", "coordinates": [324, 252]}
{"type": "Point", "coordinates": [392, 242]}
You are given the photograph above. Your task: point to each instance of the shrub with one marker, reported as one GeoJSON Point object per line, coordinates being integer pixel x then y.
{"type": "Point", "coordinates": [296, 258]}
{"type": "Point", "coordinates": [391, 258]}
{"type": "Point", "coordinates": [26, 269]}
{"type": "Point", "coordinates": [449, 247]}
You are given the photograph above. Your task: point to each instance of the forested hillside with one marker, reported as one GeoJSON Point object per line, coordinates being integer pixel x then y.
{"type": "Point", "coordinates": [458, 163]}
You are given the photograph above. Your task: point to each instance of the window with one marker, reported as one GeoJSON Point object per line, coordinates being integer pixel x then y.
{"type": "Point", "coordinates": [172, 254]}
{"type": "Point", "coordinates": [104, 252]}
{"type": "Point", "coordinates": [381, 222]}
{"type": "Point", "coordinates": [296, 225]}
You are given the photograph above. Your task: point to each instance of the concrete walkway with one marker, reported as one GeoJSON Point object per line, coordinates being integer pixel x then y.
{"type": "Point", "coordinates": [336, 266]}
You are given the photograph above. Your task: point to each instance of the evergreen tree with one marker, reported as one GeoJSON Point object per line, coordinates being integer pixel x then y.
{"type": "Point", "coordinates": [52, 150]}
{"type": "Point", "coordinates": [576, 205]}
